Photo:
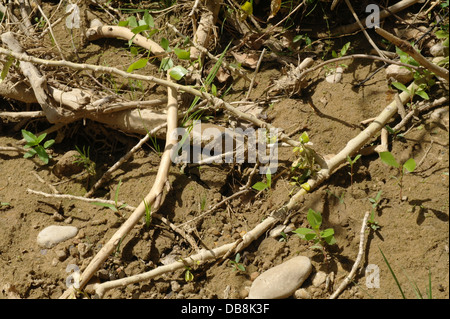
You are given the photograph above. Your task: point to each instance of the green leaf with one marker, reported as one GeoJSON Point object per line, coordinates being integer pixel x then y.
{"type": "Point", "coordinates": [269, 179]}
{"type": "Point", "coordinates": [49, 143]}
{"type": "Point", "coordinates": [43, 156]}
{"type": "Point", "coordinates": [314, 219]}
{"type": "Point", "coordinates": [241, 267]}
{"type": "Point", "coordinates": [139, 64]}
{"type": "Point", "coordinates": [441, 34]}
{"type": "Point", "coordinates": [410, 165]}
{"type": "Point", "coordinates": [247, 7]}
{"type": "Point", "coordinates": [304, 138]}
{"type": "Point", "coordinates": [111, 206]}
{"type": "Point", "coordinates": [330, 240]}
{"type": "Point", "coordinates": [134, 50]}
{"type": "Point", "coordinates": [334, 54]}
{"type": "Point", "coordinates": [400, 86]}
{"type": "Point", "coordinates": [423, 95]}
{"type": "Point", "coordinates": [259, 186]}
{"type": "Point", "coordinates": [327, 233]}
{"type": "Point", "coordinates": [29, 137]}
{"type": "Point", "coordinates": [41, 138]}
{"type": "Point", "coordinates": [132, 22]}
{"type": "Point", "coordinates": [389, 159]}
{"type": "Point", "coordinates": [345, 48]}
{"type": "Point", "coordinates": [140, 28]}
{"type": "Point", "coordinates": [297, 38]}
{"type": "Point", "coordinates": [29, 154]}
{"type": "Point", "coordinates": [188, 276]}
{"type": "Point", "coordinates": [164, 44]}
{"type": "Point", "coordinates": [6, 67]}
{"type": "Point", "coordinates": [123, 23]}
{"type": "Point", "coordinates": [305, 233]}
{"type": "Point", "coordinates": [182, 54]}
{"type": "Point", "coordinates": [166, 64]}
{"type": "Point", "coordinates": [149, 19]}
{"type": "Point", "coordinates": [178, 72]}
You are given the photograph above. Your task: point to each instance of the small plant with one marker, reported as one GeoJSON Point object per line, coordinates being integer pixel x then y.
{"type": "Point", "coordinates": [146, 24]}
{"type": "Point", "coordinates": [34, 143]}
{"type": "Point", "coordinates": [4, 204]}
{"type": "Point", "coordinates": [283, 237]}
{"type": "Point", "coordinates": [203, 202]}
{"type": "Point", "coordinates": [83, 159]}
{"type": "Point", "coordinates": [114, 207]}
{"type": "Point", "coordinates": [260, 186]}
{"type": "Point", "coordinates": [413, 284]}
{"type": "Point", "coordinates": [148, 214]}
{"type": "Point", "coordinates": [351, 162]}
{"type": "Point", "coordinates": [375, 202]}
{"type": "Point", "coordinates": [236, 265]}
{"type": "Point", "coordinates": [321, 238]}
{"type": "Point", "coordinates": [304, 163]}
{"type": "Point", "coordinates": [188, 275]}
{"type": "Point", "coordinates": [340, 198]}
{"type": "Point", "coordinates": [408, 166]}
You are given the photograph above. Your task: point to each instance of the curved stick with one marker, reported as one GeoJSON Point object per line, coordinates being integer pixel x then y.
{"type": "Point", "coordinates": [152, 199]}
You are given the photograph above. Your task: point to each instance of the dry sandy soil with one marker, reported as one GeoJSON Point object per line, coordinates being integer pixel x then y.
{"type": "Point", "coordinates": [413, 233]}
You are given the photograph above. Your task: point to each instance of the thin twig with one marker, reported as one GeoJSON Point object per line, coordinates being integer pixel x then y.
{"type": "Point", "coordinates": [152, 199]}
{"type": "Point", "coordinates": [51, 31]}
{"type": "Point", "coordinates": [358, 258]}
{"type": "Point", "coordinates": [407, 48]}
{"type": "Point", "coordinates": [349, 5]}
{"type": "Point", "coordinates": [250, 88]}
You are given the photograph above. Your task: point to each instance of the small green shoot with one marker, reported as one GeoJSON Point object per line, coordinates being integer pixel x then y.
{"type": "Point", "coordinates": [351, 162]}
{"type": "Point", "coordinates": [148, 214]}
{"type": "Point", "coordinates": [413, 284]}
{"type": "Point", "coordinates": [320, 238]}
{"type": "Point", "coordinates": [203, 202]}
{"type": "Point", "coordinates": [83, 159]}
{"type": "Point", "coordinates": [34, 143]}
{"type": "Point", "coordinates": [408, 166]}
{"type": "Point", "coordinates": [114, 207]}
{"type": "Point", "coordinates": [375, 202]}
{"type": "Point", "coordinates": [236, 265]}
{"type": "Point", "coordinates": [260, 186]}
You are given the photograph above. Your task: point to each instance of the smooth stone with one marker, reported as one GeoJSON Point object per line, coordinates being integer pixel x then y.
{"type": "Point", "coordinates": [281, 281]}
{"type": "Point", "coordinates": [399, 73]}
{"type": "Point", "coordinates": [319, 278]}
{"type": "Point", "coordinates": [336, 76]}
{"type": "Point", "coordinates": [52, 235]}
{"type": "Point", "coordinates": [302, 293]}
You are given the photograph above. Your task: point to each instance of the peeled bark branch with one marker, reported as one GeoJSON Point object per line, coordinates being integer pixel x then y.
{"type": "Point", "coordinates": [408, 48]}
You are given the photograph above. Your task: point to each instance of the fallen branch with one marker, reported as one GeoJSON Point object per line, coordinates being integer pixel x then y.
{"type": "Point", "coordinates": [153, 198]}
{"type": "Point", "coordinates": [399, 6]}
{"type": "Point", "coordinates": [349, 5]}
{"type": "Point", "coordinates": [353, 146]}
{"type": "Point", "coordinates": [98, 31]}
{"type": "Point", "coordinates": [408, 48]}
{"type": "Point", "coordinates": [202, 256]}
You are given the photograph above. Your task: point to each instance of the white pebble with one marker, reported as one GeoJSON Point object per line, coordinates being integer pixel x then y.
{"type": "Point", "coordinates": [52, 235]}
{"type": "Point", "coordinates": [302, 293]}
{"type": "Point", "coordinates": [399, 73]}
{"type": "Point", "coordinates": [281, 281]}
{"type": "Point", "coordinates": [319, 278]}
{"type": "Point", "coordinates": [336, 76]}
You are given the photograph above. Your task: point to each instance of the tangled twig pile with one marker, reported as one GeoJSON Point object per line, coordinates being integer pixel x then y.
{"type": "Point", "coordinates": [27, 79]}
